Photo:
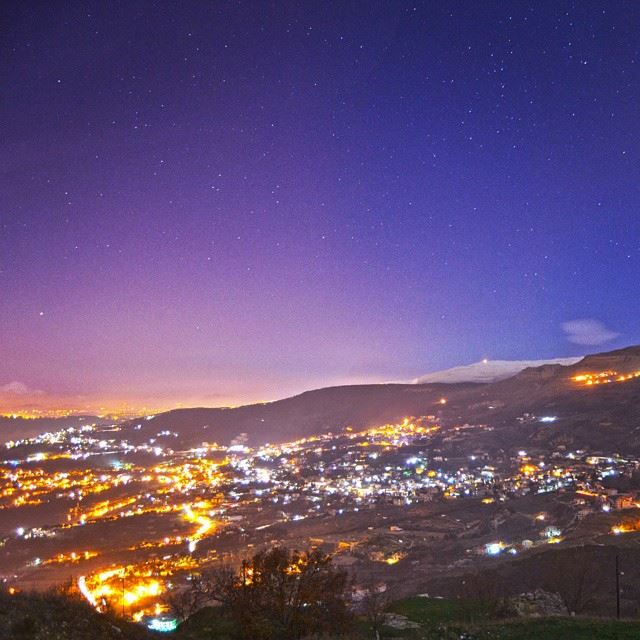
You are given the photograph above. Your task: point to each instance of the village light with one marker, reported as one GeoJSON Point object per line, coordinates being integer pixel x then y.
{"type": "Point", "coordinates": [494, 548]}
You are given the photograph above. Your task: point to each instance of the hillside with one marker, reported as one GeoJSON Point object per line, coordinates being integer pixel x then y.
{"type": "Point", "coordinates": [604, 415]}
{"type": "Point", "coordinates": [600, 415]}
{"type": "Point", "coordinates": [307, 414]}
{"type": "Point", "coordinates": [52, 616]}
{"type": "Point", "coordinates": [16, 428]}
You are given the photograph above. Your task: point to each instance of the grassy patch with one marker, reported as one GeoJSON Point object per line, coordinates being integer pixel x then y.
{"type": "Point", "coordinates": [206, 623]}
{"type": "Point", "coordinates": [435, 613]}
{"type": "Point", "coordinates": [443, 619]}
{"type": "Point", "coordinates": [563, 629]}
{"type": "Point", "coordinates": [440, 610]}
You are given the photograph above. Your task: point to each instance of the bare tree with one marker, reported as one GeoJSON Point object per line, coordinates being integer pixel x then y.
{"type": "Point", "coordinates": [373, 606]}
{"type": "Point", "coordinates": [578, 582]}
{"type": "Point", "coordinates": [281, 594]}
{"type": "Point", "coordinates": [186, 601]}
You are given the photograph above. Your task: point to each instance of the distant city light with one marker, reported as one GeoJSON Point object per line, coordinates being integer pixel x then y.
{"type": "Point", "coordinates": [238, 448]}
{"type": "Point", "coordinates": [209, 489]}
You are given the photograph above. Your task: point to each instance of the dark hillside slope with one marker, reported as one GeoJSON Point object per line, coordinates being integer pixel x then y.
{"type": "Point", "coordinates": [18, 428]}
{"type": "Point", "coordinates": [603, 416]}
{"type": "Point", "coordinates": [52, 616]}
{"type": "Point", "coordinates": [310, 413]}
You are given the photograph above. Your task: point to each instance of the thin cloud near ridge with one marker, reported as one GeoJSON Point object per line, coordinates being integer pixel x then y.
{"type": "Point", "coordinates": [18, 388]}
{"type": "Point", "coordinates": [588, 331]}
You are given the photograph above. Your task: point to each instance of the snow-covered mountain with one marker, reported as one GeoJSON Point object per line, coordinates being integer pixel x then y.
{"type": "Point", "coordinates": [489, 370]}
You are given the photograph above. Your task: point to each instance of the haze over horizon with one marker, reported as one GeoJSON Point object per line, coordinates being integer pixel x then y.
{"type": "Point", "coordinates": [484, 371]}
{"type": "Point", "coordinates": [219, 204]}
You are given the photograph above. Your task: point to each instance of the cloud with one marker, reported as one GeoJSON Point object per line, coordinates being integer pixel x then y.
{"type": "Point", "coordinates": [16, 388]}
{"type": "Point", "coordinates": [588, 331]}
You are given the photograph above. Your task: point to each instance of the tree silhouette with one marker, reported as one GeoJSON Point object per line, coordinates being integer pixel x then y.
{"type": "Point", "coordinates": [281, 594]}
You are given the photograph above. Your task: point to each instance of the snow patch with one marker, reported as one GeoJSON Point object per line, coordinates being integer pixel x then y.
{"type": "Point", "coordinates": [489, 370]}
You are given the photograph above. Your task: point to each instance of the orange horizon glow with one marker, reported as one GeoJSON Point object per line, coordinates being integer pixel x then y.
{"type": "Point", "coordinates": [130, 405]}
{"type": "Point", "coordinates": [101, 409]}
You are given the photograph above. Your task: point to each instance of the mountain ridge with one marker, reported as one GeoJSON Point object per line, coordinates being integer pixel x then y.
{"type": "Point", "coordinates": [547, 389]}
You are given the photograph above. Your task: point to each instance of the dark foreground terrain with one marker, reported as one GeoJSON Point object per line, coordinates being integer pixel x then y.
{"type": "Point", "coordinates": [56, 616]}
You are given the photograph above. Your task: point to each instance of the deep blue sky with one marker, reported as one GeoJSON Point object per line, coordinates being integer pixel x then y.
{"type": "Point", "coordinates": [211, 202]}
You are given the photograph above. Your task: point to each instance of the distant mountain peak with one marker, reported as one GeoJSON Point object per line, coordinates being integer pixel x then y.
{"type": "Point", "coordinates": [490, 370]}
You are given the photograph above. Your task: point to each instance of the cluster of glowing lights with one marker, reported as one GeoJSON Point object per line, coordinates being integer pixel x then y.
{"type": "Point", "coordinates": [115, 585]}
{"type": "Point", "coordinates": [183, 485]}
{"type": "Point", "coordinates": [71, 558]}
{"type": "Point", "coordinates": [163, 624]}
{"type": "Point", "coordinates": [627, 527]}
{"type": "Point", "coordinates": [529, 469]}
{"type": "Point", "coordinates": [494, 548]}
{"type": "Point", "coordinates": [141, 591]}
{"type": "Point", "coordinates": [35, 414]}
{"type": "Point", "coordinates": [167, 541]}
{"type": "Point", "coordinates": [136, 589]}
{"type": "Point", "coordinates": [604, 377]}
{"type": "Point", "coordinates": [394, 558]}
{"type": "Point", "coordinates": [30, 486]}
{"type": "Point", "coordinates": [394, 434]}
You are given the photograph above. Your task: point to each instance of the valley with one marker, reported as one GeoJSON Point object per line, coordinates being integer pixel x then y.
{"type": "Point", "coordinates": [479, 480]}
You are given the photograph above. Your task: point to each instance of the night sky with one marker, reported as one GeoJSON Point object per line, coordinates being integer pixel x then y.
{"type": "Point", "coordinates": [218, 202]}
